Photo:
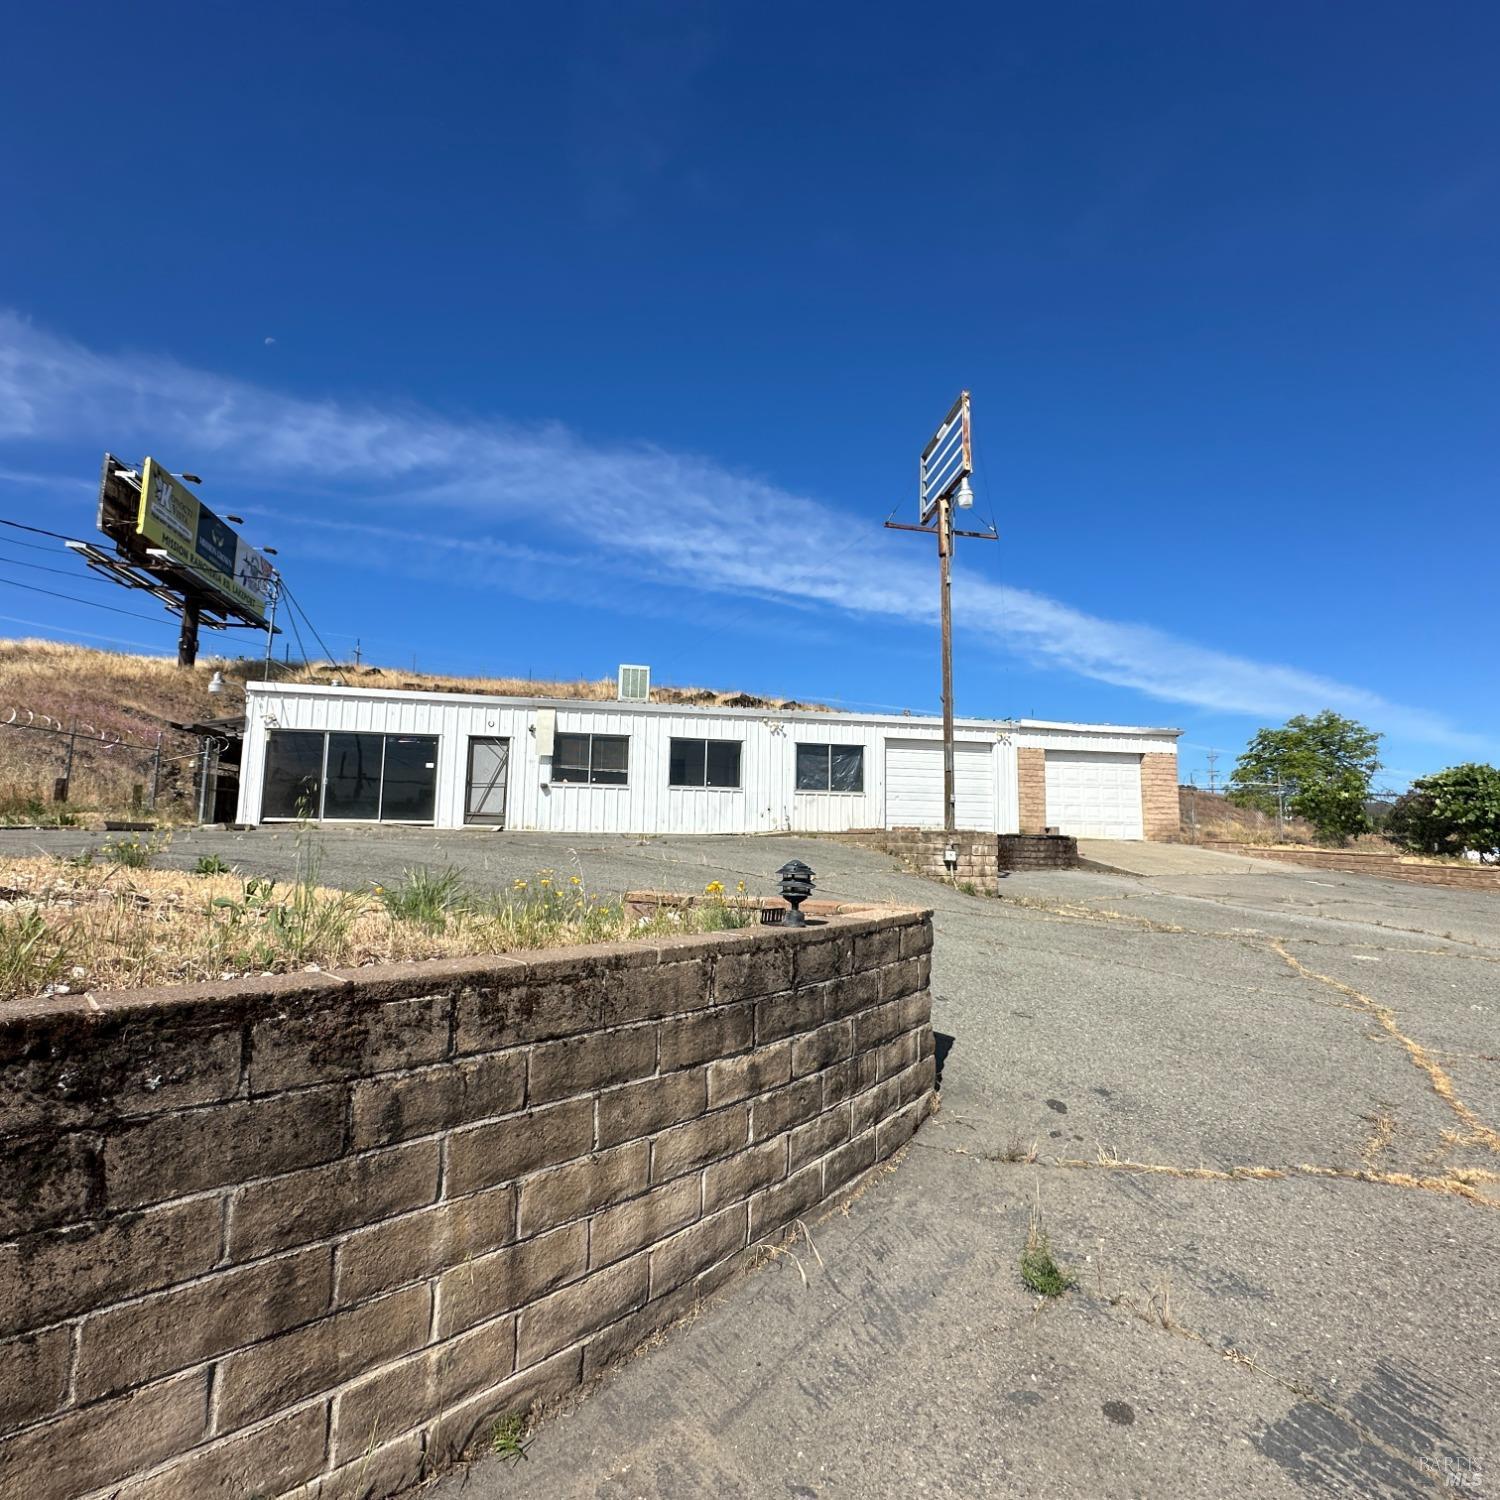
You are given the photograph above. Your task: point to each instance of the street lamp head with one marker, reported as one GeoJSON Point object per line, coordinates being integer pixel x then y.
{"type": "Point", "coordinates": [964, 499]}
{"type": "Point", "coordinates": [193, 478]}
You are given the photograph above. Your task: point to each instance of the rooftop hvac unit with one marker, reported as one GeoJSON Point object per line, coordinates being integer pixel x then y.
{"type": "Point", "coordinates": [635, 685]}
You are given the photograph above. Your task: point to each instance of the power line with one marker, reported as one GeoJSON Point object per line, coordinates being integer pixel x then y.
{"type": "Point", "coordinates": [92, 635]}
{"type": "Point", "coordinates": [11, 583]}
{"type": "Point", "coordinates": [15, 541]}
{"type": "Point", "coordinates": [291, 620]}
{"type": "Point", "coordinates": [17, 562]}
{"type": "Point", "coordinates": [292, 598]}
{"type": "Point", "coordinates": [39, 530]}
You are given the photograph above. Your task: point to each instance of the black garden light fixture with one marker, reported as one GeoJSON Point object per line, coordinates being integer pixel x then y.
{"type": "Point", "coordinates": [796, 886]}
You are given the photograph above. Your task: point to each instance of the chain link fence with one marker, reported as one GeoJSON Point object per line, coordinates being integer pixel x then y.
{"type": "Point", "coordinates": [51, 770]}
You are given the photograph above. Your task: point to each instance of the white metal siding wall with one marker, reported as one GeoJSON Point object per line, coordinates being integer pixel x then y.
{"type": "Point", "coordinates": [767, 800]}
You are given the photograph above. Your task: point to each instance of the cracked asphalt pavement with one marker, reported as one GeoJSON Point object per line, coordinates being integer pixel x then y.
{"type": "Point", "coordinates": [1257, 1113]}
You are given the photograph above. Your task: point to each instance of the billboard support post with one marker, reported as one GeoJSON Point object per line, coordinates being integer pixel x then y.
{"type": "Point", "coordinates": [947, 462]}
{"type": "Point", "coordinates": [187, 639]}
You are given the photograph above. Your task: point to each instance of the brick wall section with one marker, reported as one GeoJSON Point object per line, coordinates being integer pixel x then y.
{"type": "Point", "coordinates": [923, 850]}
{"type": "Point", "coordinates": [1385, 866]}
{"type": "Point", "coordinates": [1037, 851]}
{"type": "Point", "coordinates": [311, 1235]}
{"type": "Point", "coordinates": [1031, 787]}
{"type": "Point", "coordinates": [1161, 814]}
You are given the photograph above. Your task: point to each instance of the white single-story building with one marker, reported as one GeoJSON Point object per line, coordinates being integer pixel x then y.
{"type": "Point", "coordinates": [451, 760]}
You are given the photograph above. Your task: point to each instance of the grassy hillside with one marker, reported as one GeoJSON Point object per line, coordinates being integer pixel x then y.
{"type": "Point", "coordinates": [120, 703]}
{"type": "Point", "coordinates": [1211, 815]}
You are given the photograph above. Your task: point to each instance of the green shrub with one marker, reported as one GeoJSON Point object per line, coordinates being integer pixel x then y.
{"type": "Point", "coordinates": [211, 864]}
{"type": "Point", "coordinates": [1450, 812]}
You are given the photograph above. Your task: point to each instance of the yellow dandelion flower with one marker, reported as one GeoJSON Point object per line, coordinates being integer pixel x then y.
{"type": "Point", "coordinates": [714, 888]}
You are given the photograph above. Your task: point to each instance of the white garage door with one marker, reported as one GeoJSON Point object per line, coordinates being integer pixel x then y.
{"type": "Point", "coordinates": [914, 784]}
{"type": "Point", "coordinates": [1094, 795]}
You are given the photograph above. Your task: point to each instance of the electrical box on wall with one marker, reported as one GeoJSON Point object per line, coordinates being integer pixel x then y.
{"type": "Point", "coordinates": [545, 729]}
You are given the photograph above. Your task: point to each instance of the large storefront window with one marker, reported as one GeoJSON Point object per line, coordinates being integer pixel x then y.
{"type": "Point", "coordinates": [294, 775]}
{"type": "Point", "coordinates": [409, 786]}
{"type": "Point", "coordinates": [351, 782]}
{"type": "Point", "coordinates": [363, 778]}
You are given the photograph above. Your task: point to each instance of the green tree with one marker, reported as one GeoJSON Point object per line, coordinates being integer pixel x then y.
{"type": "Point", "coordinates": [1450, 812]}
{"type": "Point", "coordinates": [1323, 765]}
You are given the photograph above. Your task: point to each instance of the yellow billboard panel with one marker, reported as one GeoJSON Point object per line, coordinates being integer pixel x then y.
{"type": "Point", "coordinates": [174, 519]}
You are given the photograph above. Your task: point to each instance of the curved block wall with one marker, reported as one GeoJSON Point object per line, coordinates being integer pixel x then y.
{"type": "Point", "coordinates": [314, 1234]}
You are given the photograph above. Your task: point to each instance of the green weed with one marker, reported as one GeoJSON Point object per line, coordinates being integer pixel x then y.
{"type": "Point", "coordinates": [428, 898]}
{"type": "Point", "coordinates": [32, 955]}
{"type": "Point", "coordinates": [1039, 1271]}
{"type": "Point", "coordinates": [508, 1439]}
{"type": "Point", "coordinates": [134, 853]}
{"type": "Point", "coordinates": [211, 864]}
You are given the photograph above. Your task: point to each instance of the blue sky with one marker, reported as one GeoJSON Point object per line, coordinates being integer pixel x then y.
{"type": "Point", "coordinates": [539, 339]}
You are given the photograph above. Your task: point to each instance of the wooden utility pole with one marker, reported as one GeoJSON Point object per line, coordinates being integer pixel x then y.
{"type": "Point", "coordinates": [946, 464]}
{"type": "Point", "coordinates": [945, 574]}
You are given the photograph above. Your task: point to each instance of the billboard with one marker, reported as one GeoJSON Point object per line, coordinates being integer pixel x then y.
{"type": "Point", "coordinates": [172, 518]}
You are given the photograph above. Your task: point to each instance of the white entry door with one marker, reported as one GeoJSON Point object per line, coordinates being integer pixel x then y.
{"type": "Point", "coordinates": [914, 784]}
{"type": "Point", "coordinates": [1093, 794]}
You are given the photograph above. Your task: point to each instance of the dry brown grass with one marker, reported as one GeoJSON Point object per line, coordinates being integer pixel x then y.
{"type": "Point", "coordinates": [133, 698]}
{"type": "Point", "coordinates": [72, 927]}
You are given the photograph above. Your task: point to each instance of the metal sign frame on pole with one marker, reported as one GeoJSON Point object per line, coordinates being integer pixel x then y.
{"type": "Point", "coordinates": [946, 464]}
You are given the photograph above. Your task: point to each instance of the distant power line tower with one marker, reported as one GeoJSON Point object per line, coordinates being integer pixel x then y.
{"type": "Point", "coordinates": [1213, 775]}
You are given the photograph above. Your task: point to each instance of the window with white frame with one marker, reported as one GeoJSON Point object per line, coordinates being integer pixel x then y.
{"type": "Point", "coordinates": [830, 768]}
{"type": "Point", "coordinates": [714, 763]}
{"type": "Point", "coordinates": [592, 759]}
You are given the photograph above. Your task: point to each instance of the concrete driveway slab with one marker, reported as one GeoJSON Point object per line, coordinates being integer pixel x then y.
{"type": "Point", "coordinates": [1256, 1114]}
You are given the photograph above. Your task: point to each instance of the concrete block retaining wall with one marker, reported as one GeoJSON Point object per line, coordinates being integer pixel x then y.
{"type": "Point", "coordinates": [1357, 862]}
{"type": "Point", "coordinates": [311, 1235]}
{"type": "Point", "coordinates": [922, 849]}
{"type": "Point", "coordinates": [1038, 851]}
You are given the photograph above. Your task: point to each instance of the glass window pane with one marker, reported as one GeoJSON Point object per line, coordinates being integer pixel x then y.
{"type": "Point", "coordinates": [570, 757]}
{"type": "Point", "coordinates": [293, 786]}
{"type": "Point", "coordinates": [611, 758]}
{"type": "Point", "coordinates": [812, 768]}
{"type": "Point", "coordinates": [352, 788]}
{"type": "Point", "coordinates": [848, 768]}
{"type": "Point", "coordinates": [723, 763]}
{"type": "Point", "coordinates": [685, 763]}
{"type": "Point", "coordinates": [410, 785]}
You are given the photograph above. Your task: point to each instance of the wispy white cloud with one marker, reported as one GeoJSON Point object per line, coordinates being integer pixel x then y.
{"type": "Point", "coordinates": [681, 520]}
